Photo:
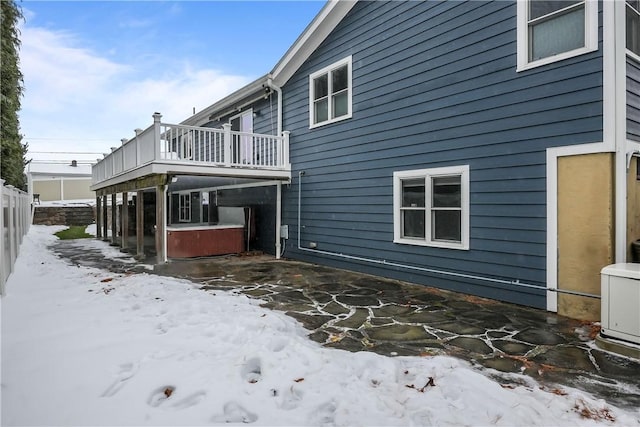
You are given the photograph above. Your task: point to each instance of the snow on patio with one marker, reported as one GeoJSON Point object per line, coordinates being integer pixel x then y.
{"type": "Point", "coordinates": [82, 346]}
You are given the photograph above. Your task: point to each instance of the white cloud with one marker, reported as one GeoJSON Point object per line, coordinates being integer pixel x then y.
{"type": "Point", "coordinates": [77, 99]}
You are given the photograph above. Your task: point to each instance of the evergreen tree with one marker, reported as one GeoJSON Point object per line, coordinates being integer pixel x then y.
{"type": "Point", "coordinates": [12, 155]}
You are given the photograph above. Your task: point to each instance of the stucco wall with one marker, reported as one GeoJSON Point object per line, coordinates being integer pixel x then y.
{"type": "Point", "coordinates": [48, 190]}
{"type": "Point", "coordinates": [585, 230]}
{"type": "Point", "coordinates": [75, 189]}
{"type": "Point", "coordinates": [69, 189]}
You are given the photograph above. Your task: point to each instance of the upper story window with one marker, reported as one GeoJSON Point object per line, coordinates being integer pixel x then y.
{"type": "Point", "coordinates": [431, 207]}
{"type": "Point", "coordinates": [330, 93]}
{"type": "Point", "coordinates": [633, 26]}
{"type": "Point", "coordinates": [550, 31]}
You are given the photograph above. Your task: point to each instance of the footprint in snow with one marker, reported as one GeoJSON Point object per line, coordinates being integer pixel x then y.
{"type": "Point", "coordinates": [160, 395]}
{"type": "Point", "coordinates": [125, 373]}
{"type": "Point", "coordinates": [324, 415]}
{"type": "Point", "coordinates": [291, 399]}
{"type": "Point", "coordinates": [189, 401]}
{"type": "Point", "coordinates": [233, 412]}
{"type": "Point", "coordinates": [277, 345]}
{"type": "Point", "coordinates": [252, 371]}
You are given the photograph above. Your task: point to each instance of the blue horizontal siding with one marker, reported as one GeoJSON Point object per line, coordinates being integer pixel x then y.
{"type": "Point", "coordinates": [633, 99]}
{"type": "Point", "coordinates": [434, 84]}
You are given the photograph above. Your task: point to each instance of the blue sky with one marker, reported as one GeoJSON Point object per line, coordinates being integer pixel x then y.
{"type": "Point", "coordinates": [96, 70]}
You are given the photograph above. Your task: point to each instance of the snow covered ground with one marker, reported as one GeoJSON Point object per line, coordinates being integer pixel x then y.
{"type": "Point", "coordinates": [82, 346]}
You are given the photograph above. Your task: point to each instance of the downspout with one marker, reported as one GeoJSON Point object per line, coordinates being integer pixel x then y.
{"type": "Point", "coordinates": [278, 220]}
{"type": "Point", "coordinates": [279, 247]}
{"type": "Point", "coordinates": [164, 223]}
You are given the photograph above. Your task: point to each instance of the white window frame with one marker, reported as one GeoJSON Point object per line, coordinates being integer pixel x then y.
{"type": "Point", "coordinates": [590, 36]}
{"type": "Point", "coordinates": [326, 70]}
{"type": "Point", "coordinates": [427, 175]}
{"type": "Point", "coordinates": [184, 207]}
{"type": "Point", "coordinates": [629, 51]}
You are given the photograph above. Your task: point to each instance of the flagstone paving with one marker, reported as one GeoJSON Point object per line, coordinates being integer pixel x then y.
{"type": "Point", "coordinates": [357, 312]}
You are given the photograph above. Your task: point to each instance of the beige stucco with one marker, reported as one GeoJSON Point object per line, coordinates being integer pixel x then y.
{"type": "Point", "coordinates": [633, 207]}
{"type": "Point", "coordinates": [54, 189]}
{"type": "Point", "coordinates": [585, 230]}
{"type": "Point", "coordinates": [48, 190]}
{"type": "Point", "coordinates": [75, 189]}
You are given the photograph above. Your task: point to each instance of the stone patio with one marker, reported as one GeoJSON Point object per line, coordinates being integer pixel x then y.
{"type": "Point", "coordinates": [357, 312]}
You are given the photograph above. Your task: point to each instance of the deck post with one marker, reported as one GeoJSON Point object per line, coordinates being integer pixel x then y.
{"type": "Point", "coordinates": [105, 221]}
{"type": "Point", "coordinates": [161, 230]}
{"type": "Point", "coordinates": [227, 141]}
{"type": "Point", "coordinates": [124, 226]}
{"type": "Point", "coordinates": [140, 224]}
{"type": "Point", "coordinates": [278, 219]}
{"type": "Point", "coordinates": [138, 131]}
{"type": "Point", "coordinates": [98, 217]}
{"type": "Point", "coordinates": [157, 135]}
{"type": "Point", "coordinates": [285, 150]}
{"type": "Point", "coordinates": [114, 218]}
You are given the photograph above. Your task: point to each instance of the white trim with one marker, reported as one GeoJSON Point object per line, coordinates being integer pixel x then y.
{"type": "Point", "coordinates": [614, 125]}
{"type": "Point", "coordinates": [620, 78]}
{"type": "Point", "coordinates": [463, 171]}
{"type": "Point", "coordinates": [633, 56]}
{"type": "Point", "coordinates": [552, 209]}
{"type": "Point", "coordinates": [630, 52]}
{"type": "Point", "coordinates": [590, 37]}
{"type": "Point", "coordinates": [348, 61]}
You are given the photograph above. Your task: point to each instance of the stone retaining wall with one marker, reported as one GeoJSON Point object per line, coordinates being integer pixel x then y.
{"type": "Point", "coordinates": [64, 215]}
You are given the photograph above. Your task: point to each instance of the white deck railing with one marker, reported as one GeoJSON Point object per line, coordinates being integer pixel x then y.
{"type": "Point", "coordinates": [168, 143]}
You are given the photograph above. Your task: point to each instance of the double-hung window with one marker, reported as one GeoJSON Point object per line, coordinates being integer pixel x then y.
{"type": "Point", "coordinates": [633, 26]}
{"type": "Point", "coordinates": [330, 93]}
{"type": "Point", "coordinates": [431, 207]}
{"type": "Point", "coordinates": [184, 207]}
{"type": "Point", "coordinates": [553, 30]}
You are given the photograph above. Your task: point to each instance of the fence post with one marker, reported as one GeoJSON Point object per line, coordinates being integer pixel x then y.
{"type": "Point", "coordinates": [12, 236]}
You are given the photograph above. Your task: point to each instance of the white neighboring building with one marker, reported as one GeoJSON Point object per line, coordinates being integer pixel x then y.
{"type": "Point", "coordinates": [56, 181]}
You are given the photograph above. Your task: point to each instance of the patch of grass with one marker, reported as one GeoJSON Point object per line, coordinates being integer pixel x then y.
{"type": "Point", "coordinates": [73, 232]}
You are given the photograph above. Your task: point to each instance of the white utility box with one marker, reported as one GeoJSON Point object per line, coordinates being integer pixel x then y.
{"type": "Point", "coordinates": [621, 301]}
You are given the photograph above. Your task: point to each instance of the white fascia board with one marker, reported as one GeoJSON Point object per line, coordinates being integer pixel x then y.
{"type": "Point", "coordinates": [315, 33]}
{"type": "Point", "coordinates": [168, 168]}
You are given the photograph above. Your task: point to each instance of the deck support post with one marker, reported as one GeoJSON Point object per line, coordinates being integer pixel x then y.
{"type": "Point", "coordinates": [105, 222]}
{"type": "Point", "coordinates": [124, 226]}
{"type": "Point", "coordinates": [114, 219]}
{"type": "Point", "coordinates": [140, 224]}
{"type": "Point", "coordinates": [99, 218]}
{"type": "Point", "coordinates": [161, 229]}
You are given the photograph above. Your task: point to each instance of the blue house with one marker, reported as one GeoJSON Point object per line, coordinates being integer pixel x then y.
{"type": "Point", "coordinates": [486, 147]}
